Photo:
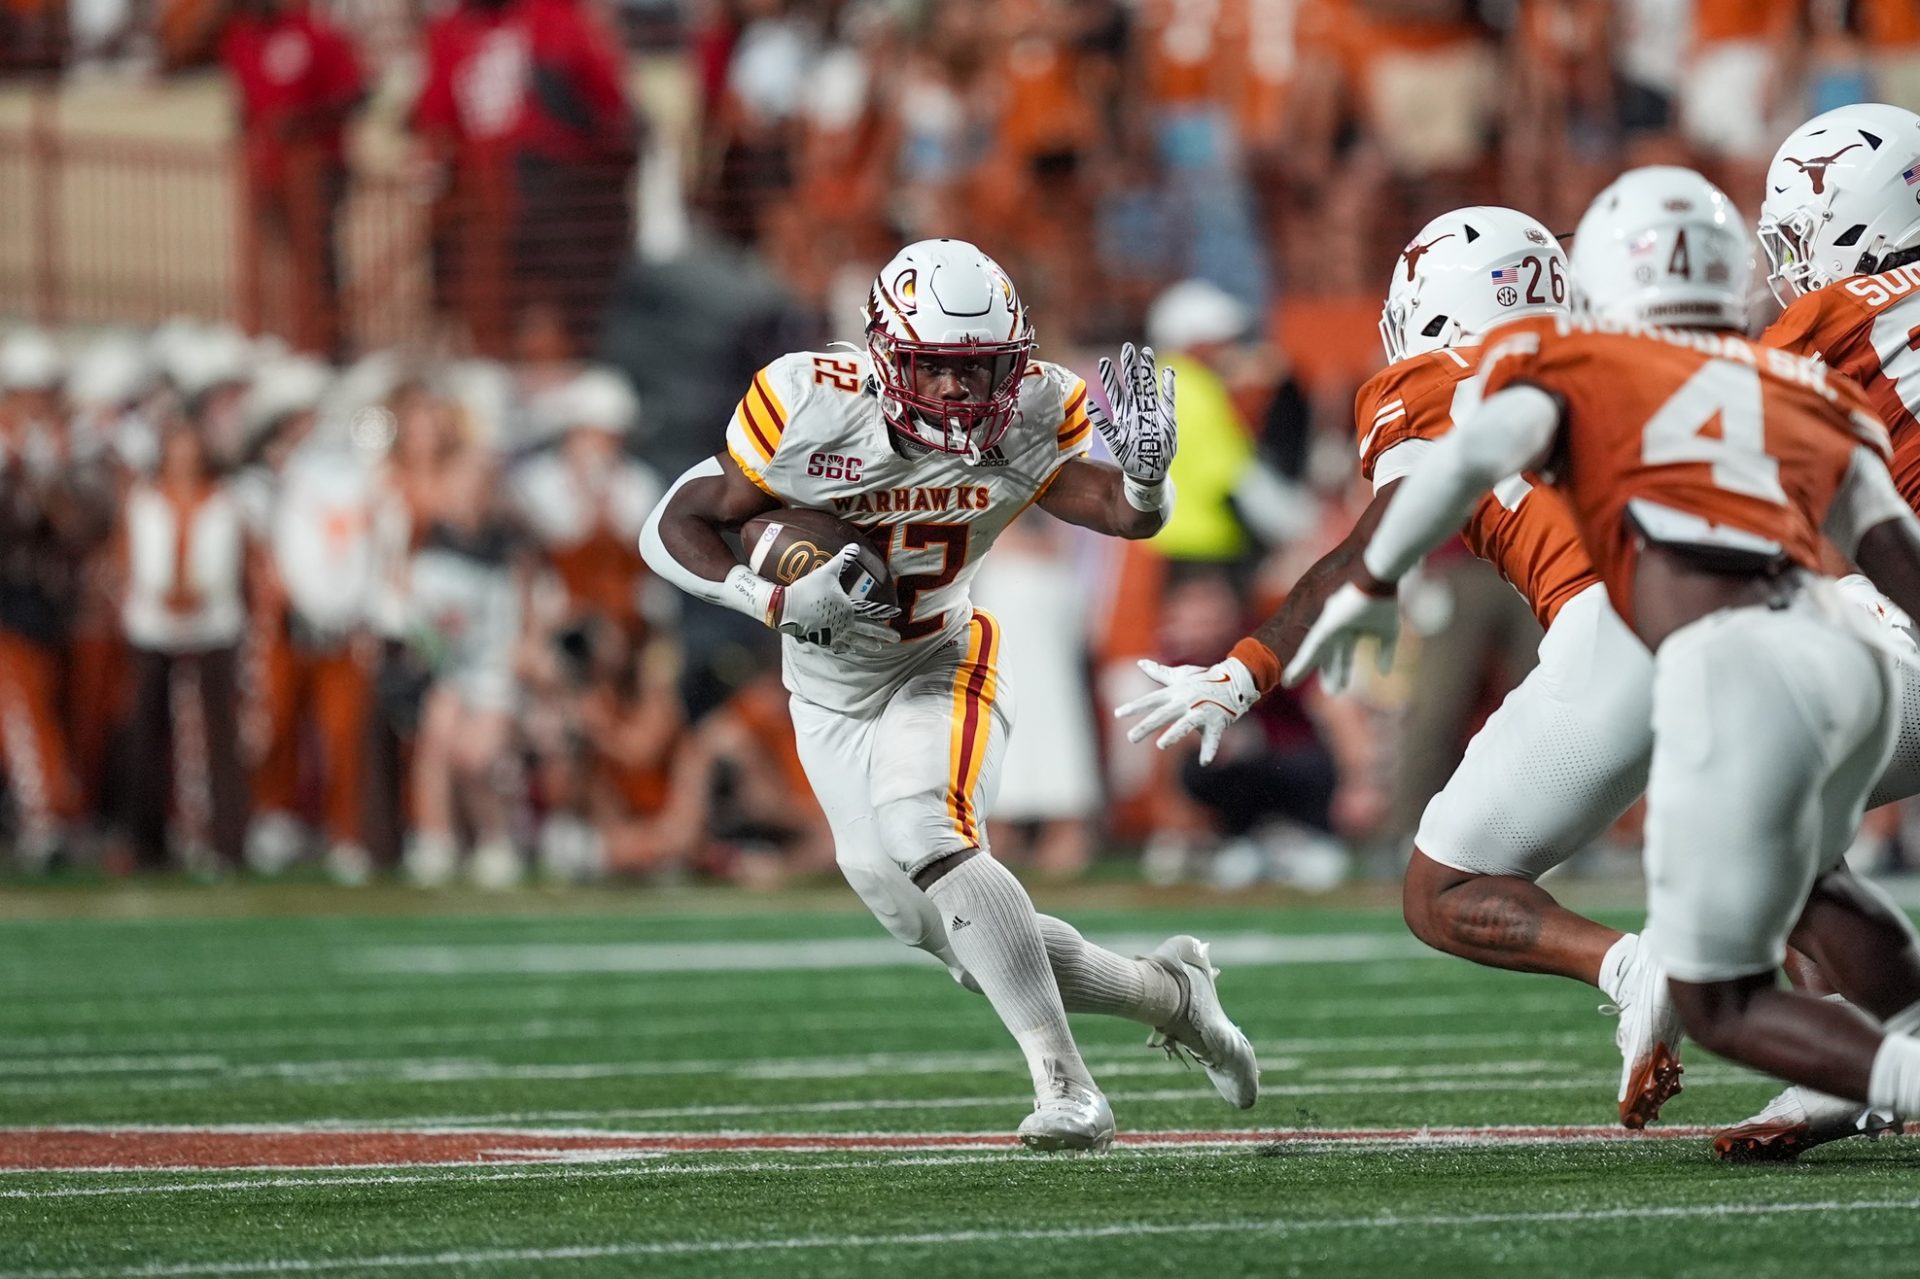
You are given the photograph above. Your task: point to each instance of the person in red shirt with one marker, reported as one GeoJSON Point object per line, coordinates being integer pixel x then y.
{"type": "Point", "coordinates": [525, 108]}
{"type": "Point", "coordinates": [298, 81]}
{"type": "Point", "coordinates": [468, 108]}
{"type": "Point", "coordinates": [574, 148]}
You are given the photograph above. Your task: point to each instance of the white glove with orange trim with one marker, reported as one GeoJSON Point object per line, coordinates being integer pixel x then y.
{"type": "Point", "coordinates": [1196, 698]}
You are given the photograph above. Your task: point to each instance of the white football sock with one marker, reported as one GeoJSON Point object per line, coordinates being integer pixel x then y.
{"type": "Point", "coordinates": [1895, 1081]}
{"type": "Point", "coordinates": [994, 932]}
{"type": "Point", "coordinates": [1614, 967]}
{"type": "Point", "coordinates": [1093, 979]}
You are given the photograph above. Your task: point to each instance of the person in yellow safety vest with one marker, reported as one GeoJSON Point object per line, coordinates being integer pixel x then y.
{"type": "Point", "coordinates": [1230, 500]}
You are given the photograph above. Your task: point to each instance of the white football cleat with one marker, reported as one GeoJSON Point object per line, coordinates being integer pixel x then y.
{"type": "Point", "coordinates": [430, 861]}
{"type": "Point", "coordinates": [495, 866]}
{"type": "Point", "coordinates": [348, 864]}
{"type": "Point", "coordinates": [1068, 1115]}
{"type": "Point", "coordinates": [1649, 1040]}
{"type": "Point", "coordinates": [274, 843]}
{"type": "Point", "coordinates": [1201, 1027]}
{"type": "Point", "coordinates": [1796, 1121]}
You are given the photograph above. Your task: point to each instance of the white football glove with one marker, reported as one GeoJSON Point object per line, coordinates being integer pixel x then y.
{"type": "Point", "coordinates": [1350, 613]}
{"type": "Point", "coordinates": [1206, 698]}
{"type": "Point", "coordinates": [818, 609]}
{"type": "Point", "coordinates": [1142, 433]}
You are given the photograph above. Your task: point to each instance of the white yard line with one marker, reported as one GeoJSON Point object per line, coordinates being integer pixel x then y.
{"type": "Point", "coordinates": [1243, 949]}
{"type": "Point", "coordinates": [961, 1238]}
{"type": "Point", "coordinates": [32, 1053]}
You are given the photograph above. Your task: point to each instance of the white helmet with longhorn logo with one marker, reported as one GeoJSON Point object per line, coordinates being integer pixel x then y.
{"type": "Point", "coordinates": [941, 301]}
{"type": "Point", "coordinates": [1843, 194]}
{"type": "Point", "coordinates": [1466, 273]}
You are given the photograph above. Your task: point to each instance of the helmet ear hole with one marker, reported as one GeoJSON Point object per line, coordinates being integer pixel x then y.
{"type": "Point", "coordinates": [1851, 237]}
{"type": "Point", "coordinates": [1434, 326]}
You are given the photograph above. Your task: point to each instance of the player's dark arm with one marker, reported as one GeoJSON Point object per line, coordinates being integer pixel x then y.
{"type": "Point", "coordinates": [682, 539]}
{"type": "Point", "coordinates": [1094, 495]}
{"type": "Point", "coordinates": [1281, 633]}
{"type": "Point", "coordinates": [1870, 519]}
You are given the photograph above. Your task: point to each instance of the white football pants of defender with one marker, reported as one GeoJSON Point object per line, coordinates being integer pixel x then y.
{"type": "Point", "coordinates": [912, 783]}
{"type": "Point", "coordinates": [1901, 780]}
{"type": "Point", "coordinates": [1771, 725]}
{"type": "Point", "coordinates": [1564, 755]}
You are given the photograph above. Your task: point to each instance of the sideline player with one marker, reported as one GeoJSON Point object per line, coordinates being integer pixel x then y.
{"type": "Point", "coordinates": [1840, 226]}
{"type": "Point", "coordinates": [939, 433]}
{"type": "Point", "coordinates": [1775, 702]}
{"type": "Point", "coordinates": [1566, 752]}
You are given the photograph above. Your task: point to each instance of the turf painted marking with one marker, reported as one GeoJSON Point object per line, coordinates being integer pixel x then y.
{"type": "Point", "coordinates": [133, 1149]}
{"type": "Point", "coordinates": [958, 1238]}
{"type": "Point", "coordinates": [1252, 949]}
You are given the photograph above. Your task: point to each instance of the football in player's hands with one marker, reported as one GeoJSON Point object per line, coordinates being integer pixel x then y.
{"type": "Point", "coordinates": [784, 546]}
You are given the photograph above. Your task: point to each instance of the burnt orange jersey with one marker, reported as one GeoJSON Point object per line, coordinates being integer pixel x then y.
{"type": "Point", "coordinates": [1867, 328]}
{"type": "Point", "coordinates": [1522, 528]}
{"type": "Point", "coordinates": [1689, 437]}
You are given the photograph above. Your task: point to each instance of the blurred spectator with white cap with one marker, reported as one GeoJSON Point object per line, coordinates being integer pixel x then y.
{"type": "Point", "coordinates": [185, 615]}
{"type": "Point", "coordinates": [584, 497]}
{"type": "Point", "coordinates": [466, 588]}
{"type": "Point", "coordinates": [604, 723]}
{"type": "Point", "coordinates": [208, 367]}
{"type": "Point", "coordinates": [48, 522]}
{"type": "Point", "coordinates": [113, 434]}
{"type": "Point", "coordinates": [311, 658]}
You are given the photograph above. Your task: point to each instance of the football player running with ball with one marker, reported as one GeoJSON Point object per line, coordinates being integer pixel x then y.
{"type": "Point", "coordinates": [1566, 753]}
{"type": "Point", "coordinates": [1707, 477]}
{"type": "Point", "coordinates": [934, 438]}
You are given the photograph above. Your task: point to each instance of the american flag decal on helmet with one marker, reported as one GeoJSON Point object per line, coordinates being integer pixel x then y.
{"type": "Point", "coordinates": [1912, 175]}
{"type": "Point", "coordinates": [1507, 275]}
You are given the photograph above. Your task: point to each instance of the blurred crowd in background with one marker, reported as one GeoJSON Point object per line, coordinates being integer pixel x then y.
{"type": "Point", "coordinates": [280, 592]}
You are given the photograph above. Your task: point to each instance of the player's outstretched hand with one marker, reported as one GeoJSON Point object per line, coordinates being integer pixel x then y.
{"type": "Point", "coordinates": [818, 609]}
{"type": "Point", "coordinates": [1203, 698]}
{"type": "Point", "coordinates": [1142, 433]}
{"type": "Point", "coordinates": [1349, 615]}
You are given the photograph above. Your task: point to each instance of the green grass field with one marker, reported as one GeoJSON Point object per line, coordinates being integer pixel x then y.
{"type": "Point", "coordinates": [703, 1084]}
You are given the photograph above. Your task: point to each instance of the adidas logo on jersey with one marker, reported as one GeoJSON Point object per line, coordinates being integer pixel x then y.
{"type": "Point", "coordinates": [959, 923]}
{"type": "Point", "coordinates": [992, 457]}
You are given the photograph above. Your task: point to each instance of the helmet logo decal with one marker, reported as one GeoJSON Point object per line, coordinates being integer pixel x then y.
{"type": "Point", "coordinates": [1536, 236]}
{"type": "Point", "coordinates": [903, 289]}
{"type": "Point", "coordinates": [1412, 254]}
{"type": "Point", "coordinates": [1816, 168]}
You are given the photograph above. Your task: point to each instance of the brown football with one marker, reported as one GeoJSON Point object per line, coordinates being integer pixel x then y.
{"type": "Point", "coordinates": [785, 545]}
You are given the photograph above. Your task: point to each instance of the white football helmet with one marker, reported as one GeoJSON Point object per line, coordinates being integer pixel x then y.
{"type": "Point", "coordinates": [942, 300]}
{"type": "Point", "coordinates": [1466, 273]}
{"type": "Point", "coordinates": [1663, 246]}
{"type": "Point", "coordinates": [1843, 192]}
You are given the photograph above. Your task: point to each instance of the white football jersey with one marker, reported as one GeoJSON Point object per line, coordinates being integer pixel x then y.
{"type": "Point", "coordinates": [811, 433]}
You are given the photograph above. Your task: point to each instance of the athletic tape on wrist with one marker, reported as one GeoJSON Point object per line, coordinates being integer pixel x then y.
{"type": "Point", "coordinates": [1142, 496]}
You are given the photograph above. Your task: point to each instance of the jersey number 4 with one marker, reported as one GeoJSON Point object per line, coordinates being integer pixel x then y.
{"type": "Point", "coordinates": [909, 587]}
{"type": "Point", "coordinates": [1715, 418]}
